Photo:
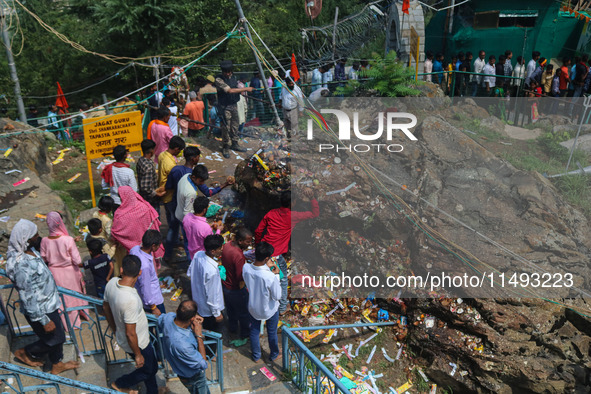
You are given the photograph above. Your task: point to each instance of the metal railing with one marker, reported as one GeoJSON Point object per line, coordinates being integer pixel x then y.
{"type": "Point", "coordinates": [306, 371]}
{"type": "Point", "coordinates": [12, 380]}
{"type": "Point", "coordinates": [94, 336]}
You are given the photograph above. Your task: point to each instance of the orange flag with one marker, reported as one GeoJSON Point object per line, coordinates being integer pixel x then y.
{"type": "Point", "coordinates": [294, 72]}
{"type": "Point", "coordinates": [61, 99]}
{"type": "Point", "coordinates": [405, 6]}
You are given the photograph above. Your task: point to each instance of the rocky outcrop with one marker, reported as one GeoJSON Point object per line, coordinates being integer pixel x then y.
{"type": "Point", "coordinates": [30, 160]}
{"type": "Point", "coordinates": [451, 194]}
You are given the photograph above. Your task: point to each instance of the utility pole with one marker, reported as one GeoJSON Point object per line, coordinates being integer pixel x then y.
{"type": "Point", "coordinates": [5, 11]}
{"type": "Point", "coordinates": [258, 62]}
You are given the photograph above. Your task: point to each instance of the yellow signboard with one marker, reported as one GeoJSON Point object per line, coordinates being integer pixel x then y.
{"type": "Point", "coordinates": [102, 134]}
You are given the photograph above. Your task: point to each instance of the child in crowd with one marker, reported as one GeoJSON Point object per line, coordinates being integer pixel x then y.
{"type": "Point", "coordinates": [95, 228]}
{"type": "Point", "coordinates": [105, 207]}
{"type": "Point", "coordinates": [100, 265]}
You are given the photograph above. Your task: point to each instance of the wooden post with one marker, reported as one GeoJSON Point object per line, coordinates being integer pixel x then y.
{"type": "Point", "coordinates": [417, 59]}
{"type": "Point", "coordinates": [91, 182]}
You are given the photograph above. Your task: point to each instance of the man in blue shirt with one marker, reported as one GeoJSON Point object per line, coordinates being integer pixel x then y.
{"type": "Point", "coordinates": [182, 340]}
{"type": "Point", "coordinates": [437, 67]}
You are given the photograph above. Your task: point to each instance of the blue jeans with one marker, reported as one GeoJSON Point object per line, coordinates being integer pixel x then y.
{"type": "Point", "coordinates": [196, 384]}
{"type": "Point", "coordinates": [283, 267]}
{"type": "Point", "coordinates": [255, 330]}
{"type": "Point", "coordinates": [174, 226]}
{"type": "Point", "coordinates": [236, 302]}
{"type": "Point", "coordinates": [146, 374]}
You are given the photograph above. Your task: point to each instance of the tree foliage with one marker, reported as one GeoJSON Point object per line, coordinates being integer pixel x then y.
{"type": "Point", "coordinates": [139, 28]}
{"type": "Point", "coordinates": [387, 76]}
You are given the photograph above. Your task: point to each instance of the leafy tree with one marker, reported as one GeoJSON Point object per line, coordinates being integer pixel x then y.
{"type": "Point", "coordinates": [387, 76]}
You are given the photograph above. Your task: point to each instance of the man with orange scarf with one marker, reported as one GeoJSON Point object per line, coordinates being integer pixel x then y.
{"type": "Point", "coordinates": [118, 174]}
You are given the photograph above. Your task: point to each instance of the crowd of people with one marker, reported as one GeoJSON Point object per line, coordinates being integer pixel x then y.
{"type": "Point", "coordinates": [240, 278]}
{"type": "Point", "coordinates": [501, 77]}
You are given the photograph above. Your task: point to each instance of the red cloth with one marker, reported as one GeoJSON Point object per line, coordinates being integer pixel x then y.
{"type": "Point", "coordinates": [233, 259]}
{"type": "Point", "coordinates": [132, 219]}
{"type": "Point", "coordinates": [107, 173]}
{"type": "Point", "coordinates": [294, 72]}
{"type": "Point", "coordinates": [60, 101]}
{"type": "Point", "coordinates": [564, 79]}
{"type": "Point", "coordinates": [405, 6]}
{"type": "Point", "coordinates": [279, 222]}
{"type": "Point", "coordinates": [56, 224]}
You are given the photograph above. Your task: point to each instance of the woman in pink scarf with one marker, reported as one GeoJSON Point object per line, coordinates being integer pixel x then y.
{"type": "Point", "coordinates": [130, 222]}
{"type": "Point", "coordinates": [63, 259]}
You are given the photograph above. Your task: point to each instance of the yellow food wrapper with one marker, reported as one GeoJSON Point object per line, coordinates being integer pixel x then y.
{"type": "Point", "coordinates": [176, 295]}
{"type": "Point", "coordinates": [404, 387]}
{"type": "Point", "coordinates": [329, 336]}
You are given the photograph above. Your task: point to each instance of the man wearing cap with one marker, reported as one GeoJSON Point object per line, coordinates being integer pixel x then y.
{"type": "Point", "coordinates": [208, 86]}
{"type": "Point", "coordinates": [118, 174]}
{"type": "Point", "coordinates": [194, 110]}
{"type": "Point", "coordinates": [228, 97]}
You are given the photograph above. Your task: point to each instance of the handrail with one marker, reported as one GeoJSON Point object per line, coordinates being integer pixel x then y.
{"type": "Point", "coordinates": [287, 335]}
{"type": "Point", "coordinates": [212, 338]}
{"type": "Point", "coordinates": [17, 369]}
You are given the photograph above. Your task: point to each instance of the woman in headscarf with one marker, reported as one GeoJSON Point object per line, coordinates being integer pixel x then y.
{"type": "Point", "coordinates": [39, 299]}
{"type": "Point", "coordinates": [130, 222]}
{"type": "Point", "coordinates": [63, 259]}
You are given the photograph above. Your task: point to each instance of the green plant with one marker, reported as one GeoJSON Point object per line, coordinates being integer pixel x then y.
{"type": "Point", "coordinates": [387, 76]}
{"type": "Point", "coordinates": [420, 383]}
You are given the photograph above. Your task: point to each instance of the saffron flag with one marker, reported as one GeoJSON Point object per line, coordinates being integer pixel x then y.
{"type": "Point", "coordinates": [294, 72]}
{"type": "Point", "coordinates": [60, 101]}
{"type": "Point", "coordinates": [405, 6]}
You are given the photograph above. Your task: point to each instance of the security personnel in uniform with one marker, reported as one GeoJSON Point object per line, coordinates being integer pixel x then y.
{"type": "Point", "coordinates": [228, 97]}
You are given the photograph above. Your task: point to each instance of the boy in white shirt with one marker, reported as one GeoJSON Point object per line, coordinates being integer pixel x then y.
{"type": "Point", "coordinates": [262, 280]}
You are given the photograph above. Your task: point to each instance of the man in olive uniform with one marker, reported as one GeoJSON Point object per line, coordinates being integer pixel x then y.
{"type": "Point", "coordinates": [228, 97]}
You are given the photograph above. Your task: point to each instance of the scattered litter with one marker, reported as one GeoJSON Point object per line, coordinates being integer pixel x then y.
{"type": "Point", "coordinates": [15, 184]}
{"type": "Point", "coordinates": [468, 131]}
{"type": "Point", "coordinates": [404, 387]}
{"type": "Point", "coordinates": [342, 190]}
{"type": "Point", "coordinates": [3, 210]}
{"type": "Point", "coordinates": [176, 295]}
{"type": "Point", "coordinates": [505, 143]}
{"type": "Point", "coordinates": [433, 389]}
{"type": "Point", "coordinates": [371, 354]}
{"type": "Point", "coordinates": [208, 158]}
{"type": "Point", "coordinates": [227, 351]}
{"type": "Point", "coordinates": [40, 216]}
{"type": "Point", "coordinates": [81, 357]}
{"type": "Point", "coordinates": [261, 162]}
{"type": "Point", "coordinates": [8, 152]}
{"type": "Point", "coordinates": [268, 374]}
{"type": "Point", "coordinates": [399, 353]}
{"type": "Point", "coordinates": [4, 219]}
{"type": "Point", "coordinates": [454, 368]}
{"type": "Point", "coordinates": [11, 171]}
{"type": "Point", "coordinates": [386, 356]}
{"type": "Point", "coordinates": [425, 378]}
{"type": "Point", "coordinates": [72, 179]}
{"type": "Point", "coordinates": [212, 172]}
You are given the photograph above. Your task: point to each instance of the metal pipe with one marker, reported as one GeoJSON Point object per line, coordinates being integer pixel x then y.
{"type": "Point", "coordinates": [258, 62]}
{"type": "Point", "coordinates": [55, 378]}
{"type": "Point", "coordinates": [6, 10]}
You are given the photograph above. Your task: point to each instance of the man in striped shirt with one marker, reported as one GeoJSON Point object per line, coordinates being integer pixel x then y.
{"type": "Point", "coordinates": [118, 174]}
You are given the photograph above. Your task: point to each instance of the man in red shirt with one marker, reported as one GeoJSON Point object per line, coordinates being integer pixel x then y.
{"type": "Point", "coordinates": [278, 224]}
{"type": "Point", "coordinates": [235, 293]}
{"type": "Point", "coordinates": [194, 110]}
{"type": "Point", "coordinates": [564, 78]}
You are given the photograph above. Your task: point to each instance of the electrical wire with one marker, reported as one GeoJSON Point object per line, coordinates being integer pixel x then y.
{"type": "Point", "coordinates": [84, 88]}
{"type": "Point", "coordinates": [115, 59]}
{"type": "Point", "coordinates": [186, 67]}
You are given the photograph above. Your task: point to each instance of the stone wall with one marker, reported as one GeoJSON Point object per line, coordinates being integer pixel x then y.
{"type": "Point", "coordinates": [398, 29]}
